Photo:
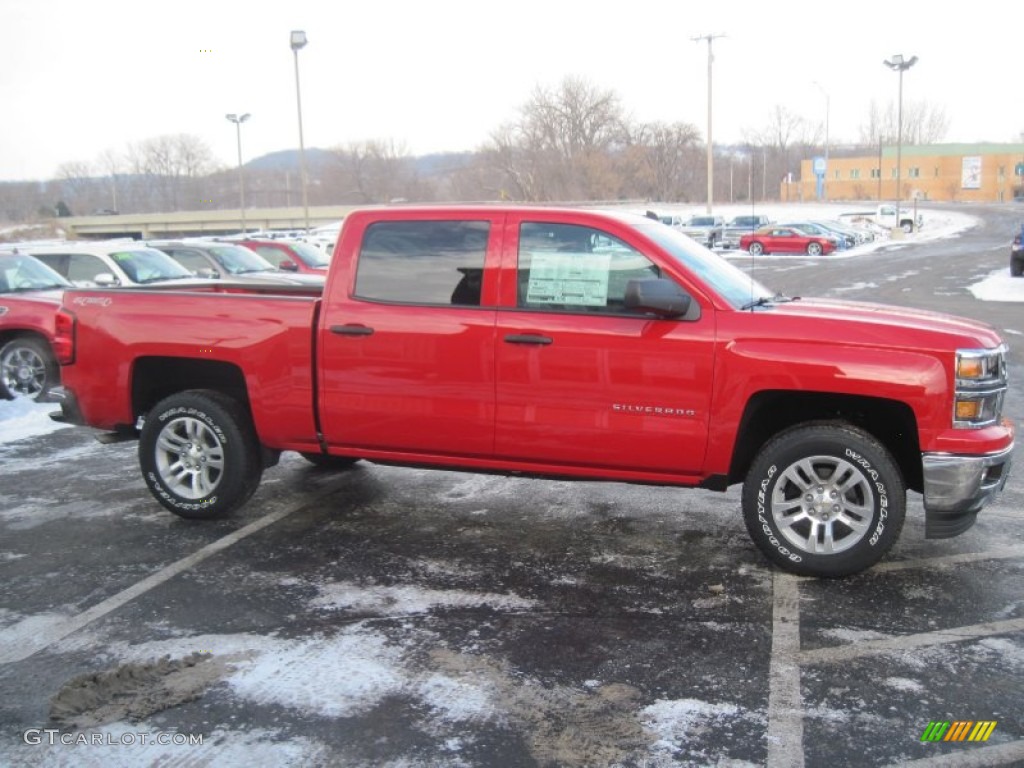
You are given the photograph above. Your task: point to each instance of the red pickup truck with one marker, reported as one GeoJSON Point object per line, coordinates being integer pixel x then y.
{"type": "Point", "coordinates": [556, 342]}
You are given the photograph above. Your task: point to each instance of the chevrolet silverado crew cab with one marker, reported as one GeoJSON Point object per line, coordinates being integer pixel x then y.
{"type": "Point", "coordinates": [561, 343]}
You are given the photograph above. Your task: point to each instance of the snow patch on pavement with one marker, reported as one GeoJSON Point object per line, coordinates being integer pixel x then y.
{"type": "Point", "coordinates": [403, 600]}
{"type": "Point", "coordinates": [23, 418]}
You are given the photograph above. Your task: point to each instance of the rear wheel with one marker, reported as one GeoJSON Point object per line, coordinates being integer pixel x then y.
{"type": "Point", "coordinates": [199, 454]}
{"type": "Point", "coordinates": [814, 249]}
{"type": "Point", "coordinates": [755, 248]}
{"type": "Point", "coordinates": [27, 369]}
{"type": "Point", "coordinates": [824, 499]}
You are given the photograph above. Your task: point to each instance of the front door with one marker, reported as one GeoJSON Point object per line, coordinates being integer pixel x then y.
{"type": "Point", "coordinates": [584, 381]}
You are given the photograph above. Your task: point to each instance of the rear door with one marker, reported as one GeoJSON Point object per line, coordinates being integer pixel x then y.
{"type": "Point", "coordinates": [407, 336]}
{"type": "Point", "coordinates": [581, 379]}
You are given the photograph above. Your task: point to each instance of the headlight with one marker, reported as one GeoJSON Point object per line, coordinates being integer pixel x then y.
{"type": "Point", "coordinates": [980, 387]}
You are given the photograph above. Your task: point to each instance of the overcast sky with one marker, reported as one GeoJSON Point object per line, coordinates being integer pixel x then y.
{"type": "Point", "coordinates": [80, 77]}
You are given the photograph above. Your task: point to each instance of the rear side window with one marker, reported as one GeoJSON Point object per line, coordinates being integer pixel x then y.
{"type": "Point", "coordinates": [423, 262]}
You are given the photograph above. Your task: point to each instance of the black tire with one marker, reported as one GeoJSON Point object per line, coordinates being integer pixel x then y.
{"type": "Point", "coordinates": [755, 248]}
{"type": "Point", "coordinates": [814, 249]}
{"type": "Point", "coordinates": [326, 461]}
{"type": "Point", "coordinates": [199, 454]}
{"type": "Point", "coordinates": [795, 512]}
{"type": "Point", "coordinates": [1016, 267]}
{"type": "Point", "coordinates": [27, 369]}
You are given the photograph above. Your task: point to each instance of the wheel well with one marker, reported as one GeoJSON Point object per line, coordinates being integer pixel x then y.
{"type": "Point", "coordinates": [21, 333]}
{"type": "Point", "coordinates": [891, 422]}
{"type": "Point", "coordinates": [154, 378]}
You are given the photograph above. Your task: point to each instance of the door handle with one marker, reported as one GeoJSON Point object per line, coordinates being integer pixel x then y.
{"type": "Point", "coordinates": [351, 330]}
{"type": "Point", "coordinates": [528, 338]}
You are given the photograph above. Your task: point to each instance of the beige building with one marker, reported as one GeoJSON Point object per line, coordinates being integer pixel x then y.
{"type": "Point", "coordinates": [947, 172]}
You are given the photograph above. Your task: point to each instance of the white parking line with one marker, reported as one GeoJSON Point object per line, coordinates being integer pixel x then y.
{"type": "Point", "coordinates": [31, 635]}
{"type": "Point", "coordinates": [909, 642]}
{"type": "Point", "coordinates": [785, 707]}
{"type": "Point", "coordinates": [998, 553]}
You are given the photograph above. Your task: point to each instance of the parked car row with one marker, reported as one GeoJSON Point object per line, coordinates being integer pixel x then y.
{"type": "Point", "coordinates": [33, 277]}
{"type": "Point", "coordinates": [813, 237]}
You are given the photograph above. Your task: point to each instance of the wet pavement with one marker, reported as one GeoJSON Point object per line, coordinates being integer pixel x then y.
{"type": "Point", "coordinates": [386, 616]}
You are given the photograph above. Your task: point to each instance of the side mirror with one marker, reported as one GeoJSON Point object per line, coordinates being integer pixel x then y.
{"type": "Point", "coordinates": [105, 280]}
{"type": "Point", "coordinates": [658, 295]}
{"type": "Point", "coordinates": [209, 273]}
{"type": "Point", "coordinates": [288, 266]}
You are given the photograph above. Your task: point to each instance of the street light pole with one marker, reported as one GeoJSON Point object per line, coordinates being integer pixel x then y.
{"type": "Point", "coordinates": [238, 120]}
{"type": "Point", "coordinates": [898, 64]}
{"type": "Point", "coordinates": [711, 168]}
{"type": "Point", "coordinates": [828, 109]}
{"type": "Point", "coordinates": [298, 42]}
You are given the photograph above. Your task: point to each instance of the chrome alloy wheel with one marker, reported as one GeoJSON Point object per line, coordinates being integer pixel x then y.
{"type": "Point", "coordinates": [823, 504]}
{"type": "Point", "coordinates": [189, 457]}
{"type": "Point", "coordinates": [23, 371]}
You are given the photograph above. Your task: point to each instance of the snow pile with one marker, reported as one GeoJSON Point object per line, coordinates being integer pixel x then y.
{"type": "Point", "coordinates": [22, 418]}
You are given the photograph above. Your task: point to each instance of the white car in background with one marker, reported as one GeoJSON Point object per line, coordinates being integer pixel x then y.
{"type": "Point", "coordinates": [111, 264]}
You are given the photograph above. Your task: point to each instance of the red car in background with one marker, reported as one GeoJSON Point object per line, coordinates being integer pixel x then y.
{"type": "Point", "coordinates": [785, 240]}
{"type": "Point", "coordinates": [290, 255]}
{"type": "Point", "coordinates": [30, 295]}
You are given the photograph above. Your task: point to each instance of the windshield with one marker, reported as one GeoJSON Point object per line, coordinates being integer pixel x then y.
{"type": "Point", "coordinates": [19, 272]}
{"type": "Point", "coordinates": [311, 257]}
{"type": "Point", "coordinates": [148, 265]}
{"type": "Point", "coordinates": [237, 260]}
{"type": "Point", "coordinates": [731, 283]}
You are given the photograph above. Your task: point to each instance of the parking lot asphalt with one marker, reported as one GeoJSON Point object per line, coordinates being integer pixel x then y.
{"type": "Point", "coordinates": [403, 617]}
{"type": "Point", "coordinates": [389, 616]}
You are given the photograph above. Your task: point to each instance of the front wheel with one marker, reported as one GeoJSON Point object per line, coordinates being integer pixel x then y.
{"type": "Point", "coordinates": [755, 248]}
{"type": "Point", "coordinates": [27, 369]}
{"type": "Point", "coordinates": [199, 454]}
{"type": "Point", "coordinates": [824, 499]}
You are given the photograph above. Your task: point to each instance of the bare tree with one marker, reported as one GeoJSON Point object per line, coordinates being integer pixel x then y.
{"type": "Point", "coordinates": [111, 164]}
{"type": "Point", "coordinates": [562, 144]}
{"type": "Point", "coordinates": [923, 123]}
{"type": "Point", "coordinates": [663, 161]}
{"type": "Point", "coordinates": [373, 172]}
{"type": "Point", "coordinates": [172, 166]}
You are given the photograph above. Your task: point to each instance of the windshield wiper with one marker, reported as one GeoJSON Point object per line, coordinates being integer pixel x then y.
{"type": "Point", "coordinates": [763, 301]}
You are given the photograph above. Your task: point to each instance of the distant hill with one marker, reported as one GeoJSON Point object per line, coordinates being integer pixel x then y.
{"type": "Point", "coordinates": [288, 160]}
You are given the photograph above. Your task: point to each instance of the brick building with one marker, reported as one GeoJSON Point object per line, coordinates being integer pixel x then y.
{"type": "Point", "coordinates": [947, 172]}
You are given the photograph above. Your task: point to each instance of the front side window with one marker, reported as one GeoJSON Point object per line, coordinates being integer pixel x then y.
{"type": "Point", "coordinates": [571, 268]}
{"type": "Point", "coordinates": [423, 262]}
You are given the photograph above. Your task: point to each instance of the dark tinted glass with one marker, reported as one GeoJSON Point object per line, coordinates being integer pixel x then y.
{"type": "Point", "coordinates": [423, 262]}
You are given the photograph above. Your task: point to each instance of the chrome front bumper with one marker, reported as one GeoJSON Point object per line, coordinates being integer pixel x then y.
{"type": "Point", "coordinates": [957, 486]}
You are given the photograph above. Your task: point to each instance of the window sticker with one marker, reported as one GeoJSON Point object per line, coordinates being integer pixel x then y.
{"type": "Point", "coordinates": [569, 279]}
